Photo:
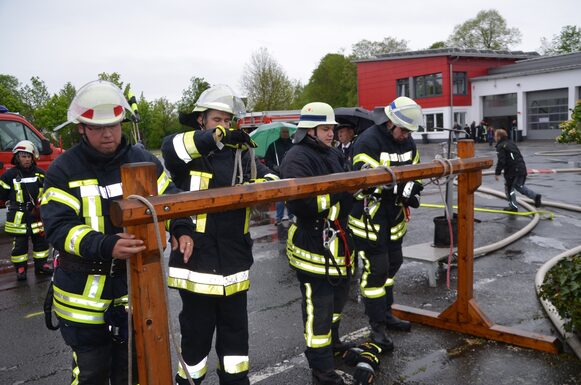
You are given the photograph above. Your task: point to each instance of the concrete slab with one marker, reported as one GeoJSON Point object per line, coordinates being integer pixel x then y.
{"type": "Point", "coordinates": [429, 256]}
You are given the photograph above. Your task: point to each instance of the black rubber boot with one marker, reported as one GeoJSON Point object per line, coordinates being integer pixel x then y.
{"type": "Point", "coordinates": [43, 268]}
{"type": "Point", "coordinates": [394, 323]}
{"type": "Point", "coordinates": [328, 377]}
{"type": "Point", "coordinates": [21, 273]}
{"type": "Point", "coordinates": [339, 347]}
{"type": "Point", "coordinates": [379, 336]}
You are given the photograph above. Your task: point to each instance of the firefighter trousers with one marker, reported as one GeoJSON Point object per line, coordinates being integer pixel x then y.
{"type": "Point", "coordinates": [19, 255]}
{"type": "Point", "coordinates": [98, 359]}
{"type": "Point", "coordinates": [322, 303]}
{"type": "Point", "coordinates": [227, 315]}
{"type": "Point", "coordinates": [379, 269]}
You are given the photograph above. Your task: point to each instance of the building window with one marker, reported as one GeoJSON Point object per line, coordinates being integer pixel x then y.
{"type": "Point", "coordinates": [547, 109]}
{"type": "Point", "coordinates": [459, 83]}
{"type": "Point", "coordinates": [434, 121]}
{"type": "Point", "coordinates": [428, 85]}
{"type": "Point", "coordinates": [403, 87]}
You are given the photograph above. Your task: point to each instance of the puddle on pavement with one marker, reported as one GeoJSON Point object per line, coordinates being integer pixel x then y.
{"type": "Point", "coordinates": [547, 242]}
{"type": "Point", "coordinates": [437, 361]}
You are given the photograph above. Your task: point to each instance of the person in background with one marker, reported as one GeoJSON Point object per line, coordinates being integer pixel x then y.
{"type": "Point", "coordinates": [213, 283]}
{"type": "Point", "coordinates": [89, 289]}
{"type": "Point", "coordinates": [490, 135]}
{"type": "Point", "coordinates": [379, 217]}
{"type": "Point", "coordinates": [273, 158]}
{"type": "Point", "coordinates": [21, 186]}
{"type": "Point", "coordinates": [514, 131]}
{"type": "Point", "coordinates": [346, 136]}
{"type": "Point", "coordinates": [511, 161]}
{"type": "Point", "coordinates": [318, 247]}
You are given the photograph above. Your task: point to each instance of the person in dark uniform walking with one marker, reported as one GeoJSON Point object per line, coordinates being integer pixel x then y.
{"type": "Point", "coordinates": [90, 282]}
{"type": "Point", "coordinates": [379, 218]}
{"type": "Point", "coordinates": [346, 136]}
{"type": "Point", "coordinates": [21, 186]}
{"type": "Point", "coordinates": [318, 247]}
{"type": "Point", "coordinates": [214, 282]}
{"type": "Point", "coordinates": [515, 170]}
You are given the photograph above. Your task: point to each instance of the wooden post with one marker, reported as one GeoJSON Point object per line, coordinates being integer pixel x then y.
{"type": "Point", "coordinates": [147, 285]}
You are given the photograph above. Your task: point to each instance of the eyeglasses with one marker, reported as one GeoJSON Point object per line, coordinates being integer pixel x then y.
{"type": "Point", "coordinates": [101, 129]}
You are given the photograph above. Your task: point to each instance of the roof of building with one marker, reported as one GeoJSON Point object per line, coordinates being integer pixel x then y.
{"type": "Point", "coordinates": [481, 53]}
{"type": "Point", "coordinates": [542, 64]}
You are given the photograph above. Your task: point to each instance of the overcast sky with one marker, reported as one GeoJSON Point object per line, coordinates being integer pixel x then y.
{"type": "Point", "coordinates": [158, 46]}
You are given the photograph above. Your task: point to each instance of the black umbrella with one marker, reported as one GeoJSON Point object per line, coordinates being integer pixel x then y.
{"type": "Point", "coordinates": [358, 117]}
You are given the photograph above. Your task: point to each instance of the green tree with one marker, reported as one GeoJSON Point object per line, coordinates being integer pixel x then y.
{"type": "Point", "coordinates": [438, 44]}
{"type": "Point", "coordinates": [266, 84]}
{"type": "Point", "coordinates": [114, 78]}
{"type": "Point", "coordinates": [488, 30]}
{"type": "Point", "coordinates": [163, 122]}
{"type": "Point", "coordinates": [334, 82]}
{"type": "Point", "coordinates": [567, 41]}
{"type": "Point", "coordinates": [191, 94]}
{"type": "Point", "coordinates": [10, 95]}
{"type": "Point", "coordinates": [54, 112]}
{"type": "Point", "coordinates": [365, 49]}
{"type": "Point", "coordinates": [35, 96]}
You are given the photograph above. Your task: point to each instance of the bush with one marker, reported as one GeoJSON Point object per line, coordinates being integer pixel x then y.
{"type": "Point", "coordinates": [571, 129]}
{"type": "Point", "coordinates": [562, 287]}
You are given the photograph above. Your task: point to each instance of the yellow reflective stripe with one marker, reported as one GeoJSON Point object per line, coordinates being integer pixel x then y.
{"type": "Point", "coordinates": [323, 202]}
{"type": "Point", "coordinates": [312, 340]}
{"type": "Point", "coordinates": [336, 317]}
{"type": "Point", "coordinates": [212, 284]}
{"type": "Point", "coordinates": [18, 218]}
{"type": "Point", "coordinates": [195, 371]}
{"type": "Point", "coordinates": [162, 182]}
{"type": "Point", "coordinates": [5, 185]}
{"type": "Point", "coordinates": [74, 238]}
{"type": "Point", "coordinates": [76, 370]}
{"type": "Point", "coordinates": [93, 212]}
{"type": "Point", "coordinates": [94, 286]}
{"type": "Point", "coordinates": [334, 211]}
{"type": "Point", "coordinates": [368, 292]}
{"type": "Point", "coordinates": [358, 223]}
{"type": "Point", "coordinates": [389, 282]}
{"type": "Point", "coordinates": [77, 315]}
{"type": "Point", "coordinates": [386, 158]}
{"type": "Point", "coordinates": [271, 177]}
{"type": "Point", "coordinates": [60, 196]}
{"type": "Point", "coordinates": [19, 258]}
{"type": "Point", "coordinates": [201, 222]}
{"type": "Point", "coordinates": [185, 147]}
{"type": "Point", "coordinates": [18, 191]}
{"type": "Point", "coordinates": [80, 301]}
{"type": "Point", "coordinates": [398, 230]}
{"type": "Point", "coordinates": [309, 256]}
{"type": "Point", "coordinates": [200, 181]}
{"type": "Point", "coordinates": [416, 158]}
{"type": "Point", "coordinates": [366, 159]}
{"type": "Point", "coordinates": [247, 220]}
{"type": "Point", "coordinates": [83, 182]}
{"type": "Point", "coordinates": [235, 364]}
{"type": "Point", "coordinates": [40, 254]}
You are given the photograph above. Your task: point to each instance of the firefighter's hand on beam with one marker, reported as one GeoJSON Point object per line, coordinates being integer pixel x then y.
{"type": "Point", "coordinates": [127, 246]}
{"type": "Point", "coordinates": [186, 245]}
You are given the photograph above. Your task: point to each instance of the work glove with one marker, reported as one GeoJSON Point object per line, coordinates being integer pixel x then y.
{"type": "Point", "coordinates": [234, 138]}
{"type": "Point", "coordinates": [409, 194]}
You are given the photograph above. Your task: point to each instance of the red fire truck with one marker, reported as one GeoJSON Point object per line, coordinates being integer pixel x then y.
{"type": "Point", "coordinates": [254, 119]}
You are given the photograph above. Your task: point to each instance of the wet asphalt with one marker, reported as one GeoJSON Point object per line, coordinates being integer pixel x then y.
{"type": "Point", "coordinates": [503, 288]}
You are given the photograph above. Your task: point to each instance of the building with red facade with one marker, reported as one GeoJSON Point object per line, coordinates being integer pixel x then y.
{"type": "Point", "coordinates": [438, 79]}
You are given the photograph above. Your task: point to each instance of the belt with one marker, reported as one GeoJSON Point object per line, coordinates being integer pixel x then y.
{"type": "Point", "coordinates": [310, 224]}
{"type": "Point", "coordinates": [75, 263]}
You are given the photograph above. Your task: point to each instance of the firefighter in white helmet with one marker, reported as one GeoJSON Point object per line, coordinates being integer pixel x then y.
{"type": "Point", "coordinates": [318, 247]}
{"type": "Point", "coordinates": [378, 220]}
{"type": "Point", "coordinates": [21, 187]}
{"type": "Point", "coordinates": [213, 284]}
{"type": "Point", "coordinates": [90, 282]}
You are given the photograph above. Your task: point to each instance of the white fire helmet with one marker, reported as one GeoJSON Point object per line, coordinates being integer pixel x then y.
{"type": "Point", "coordinates": [221, 98]}
{"type": "Point", "coordinates": [26, 146]}
{"type": "Point", "coordinates": [405, 112]}
{"type": "Point", "coordinates": [97, 103]}
{"type": "Point", "coordinates": [313, 115]}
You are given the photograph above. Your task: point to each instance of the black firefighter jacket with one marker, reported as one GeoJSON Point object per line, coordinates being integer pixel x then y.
{"type": "Point", "coordinates": [509, 159]}
{"type": "Point", "coordinates": [22, 187]}
{"type": "Point", "coordinates": [376, 147]}
{"type": "Point", "coordinates": [79, 188]}
{"type": "Point", "coordinates": [305, 249]}
{"type": "Point", "coordinates": [222, 254]}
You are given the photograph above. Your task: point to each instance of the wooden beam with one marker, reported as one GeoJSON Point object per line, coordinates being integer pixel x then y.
{"type": "Point", "coordinates": [147, 285]}
{"type": "Point", "coordinates": [131, 212]}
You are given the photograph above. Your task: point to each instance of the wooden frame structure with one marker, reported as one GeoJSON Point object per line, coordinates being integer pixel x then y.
{"type": "Point", "coordinates": [147, 294]}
